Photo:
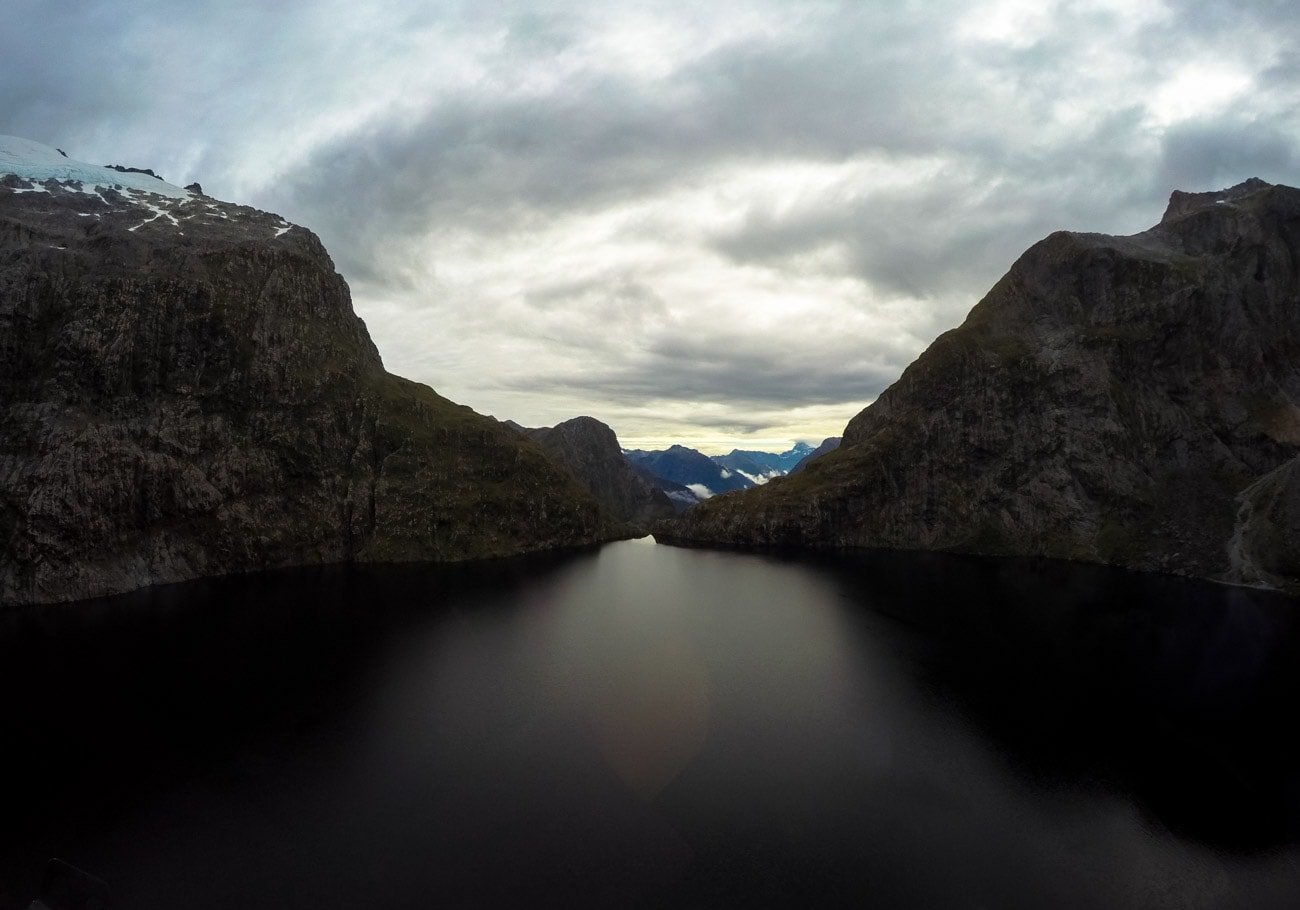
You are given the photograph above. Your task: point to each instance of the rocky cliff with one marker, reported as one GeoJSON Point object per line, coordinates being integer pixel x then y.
{"type": "Point", "coordinates": [187, 391]}
{"type": "Point", "coordinates": [589, 450]}
{"type": "Point", "coordinates": [1123, 400]}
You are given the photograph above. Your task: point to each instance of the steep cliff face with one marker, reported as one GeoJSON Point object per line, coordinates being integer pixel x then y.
{"type": "Point", "coordinates": [187, 391]}
{"type": "Point", "coordinates": [1125, 400]}
{"type": "Point", "coordinates": [589, 450]}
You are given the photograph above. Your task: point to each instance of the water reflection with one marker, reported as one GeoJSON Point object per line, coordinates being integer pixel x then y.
{"type": "Point", "coordinates": [650, 726]}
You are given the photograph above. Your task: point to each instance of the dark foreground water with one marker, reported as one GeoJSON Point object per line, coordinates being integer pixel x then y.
{"type": "Point", "coordinates": [650, 726]}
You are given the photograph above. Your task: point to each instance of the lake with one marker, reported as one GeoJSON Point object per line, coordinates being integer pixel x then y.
{"type": "Point", "coordinates": [647, 726]}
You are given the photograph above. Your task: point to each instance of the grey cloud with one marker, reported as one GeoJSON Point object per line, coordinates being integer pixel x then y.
{"type": "Point", "coordinates": [628, 298]}
{"type": "Point", "coordinates": [961, 230]}
{"type": "Point", "coordinates": [714, 365]}
{"type": "Point", "coordinates": [496, 163]}
{"type": "Point", "coordinates": [1224, 151]}
{"type": "Point", "coordinates": [482, 164]}
{"type": "Point", "coordinates": [1218, 19]}
{"type": "Point", "coordinates": [856, 84]}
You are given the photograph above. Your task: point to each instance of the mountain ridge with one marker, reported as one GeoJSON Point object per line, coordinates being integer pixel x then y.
{"type": "Point", "coordinates": [590, 451]}
{"type": "Point", "coordinates": [189, 392]}
{"type": "Point", "coordinates": [1124, 400]}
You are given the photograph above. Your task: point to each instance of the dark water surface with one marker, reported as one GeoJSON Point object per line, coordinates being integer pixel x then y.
{"type": "Point", "coordinates": [651, 726]}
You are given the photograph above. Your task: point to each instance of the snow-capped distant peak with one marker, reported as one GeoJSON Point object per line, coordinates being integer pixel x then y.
{"type": "Point", "coordinates": [38, 163]}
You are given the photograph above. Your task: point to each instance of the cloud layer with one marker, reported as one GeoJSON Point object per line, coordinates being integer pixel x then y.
{"type": "Point", "coordinates": [725, 224]}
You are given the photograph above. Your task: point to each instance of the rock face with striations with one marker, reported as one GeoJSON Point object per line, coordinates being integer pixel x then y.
{"type": "Point", "coordinates": [187, 391]}
{"type": "Point", "coordinates": [1123, 400]}
{"type": "Point", "coordinates": [589, 450]}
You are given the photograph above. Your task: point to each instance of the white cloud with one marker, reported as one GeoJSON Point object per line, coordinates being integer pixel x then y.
{"type": "Point", "coordinates": [1198, 89]}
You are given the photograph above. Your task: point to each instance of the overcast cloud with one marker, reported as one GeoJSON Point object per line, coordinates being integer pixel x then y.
{"type": "Point", "coordinates": [730, 223]}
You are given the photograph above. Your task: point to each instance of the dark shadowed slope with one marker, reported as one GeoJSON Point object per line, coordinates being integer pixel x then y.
{"type": "Point", "coordinates": [187, 391]}
{"type": "Point", "coordinates": [1125, 400]}
{"type": "Point", "coordinates": [681, 497]}
{"type": "Point", "coordinates": [589, 450]}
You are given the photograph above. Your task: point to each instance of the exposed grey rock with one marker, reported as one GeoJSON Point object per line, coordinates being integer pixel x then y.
{"type": "Point", "coordinates": [123, 169]}
{"type": "Point", "coordinates": [187, 391]}
{"type": "Point", "coordinates": [1124, 400]}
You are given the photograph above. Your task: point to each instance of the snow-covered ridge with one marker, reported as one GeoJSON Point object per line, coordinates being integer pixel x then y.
{"type": "Point", "coordinates": [39, 163]}
{"type": "Point", "coordinates": [137, 202]}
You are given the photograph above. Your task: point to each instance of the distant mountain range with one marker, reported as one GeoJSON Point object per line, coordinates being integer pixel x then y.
{"type": "Point", "coordinates": [691, 469]}
{"type": "Point", "coordinates": [689, 477]}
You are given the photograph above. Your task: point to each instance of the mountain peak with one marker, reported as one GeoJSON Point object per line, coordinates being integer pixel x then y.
{"type": "Point", "coordinates": [1124, 400]}
{"type": "Point", "coordinates": [1182, 203]}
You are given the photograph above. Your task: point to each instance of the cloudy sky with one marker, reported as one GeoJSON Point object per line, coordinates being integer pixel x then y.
{"type": "Point", "coordinates": [723, 223]}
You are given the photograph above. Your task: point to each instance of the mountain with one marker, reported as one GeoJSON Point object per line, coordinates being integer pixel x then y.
{"type": "Point", "coordinates": [756, 467]}
{"type": "Point", "coordinates": [829, 444]}
{"type": "Point", "coordinates": [691, 469]}
{"type": "Point", "coordinates": [1123, 400]}
{"type": "Point", "coordinates": [768, 464]}
{"type": "Point", "coordinates": [680, 496]}
{"type": "Point", "coordinates": [187, 392]}
{"type": "Point", "coordinates": [589, 450]}
{"type": "Point", "coordinates": [788, 459]}
{"type": "Point", "coordinates": [690, 477]}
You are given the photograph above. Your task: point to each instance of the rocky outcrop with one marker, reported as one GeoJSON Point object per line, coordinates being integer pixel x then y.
{"type": "Point", "coordinates": [187, 391]}
{"type": "Point", "coordinates": [1123, 400]}
{"type": "Point", "coordinates": [589, 450]}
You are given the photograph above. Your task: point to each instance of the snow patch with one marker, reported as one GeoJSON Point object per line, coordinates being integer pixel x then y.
{"type": "Point", "coordinates": [39, 163]}
{"type": "Point", "coordinates": [157, 213]}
